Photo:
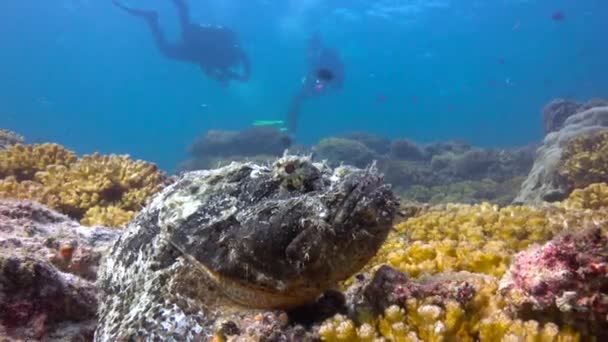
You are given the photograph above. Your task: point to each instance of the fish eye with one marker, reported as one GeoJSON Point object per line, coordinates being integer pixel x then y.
{"type": "Point", "coordinates": [290, 168]}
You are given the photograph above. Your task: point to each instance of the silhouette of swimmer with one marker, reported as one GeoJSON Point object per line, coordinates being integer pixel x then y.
{"type": "Point", "coordinates": [214, 48]}
{"type": "Point", "coordinates": [325, 72]}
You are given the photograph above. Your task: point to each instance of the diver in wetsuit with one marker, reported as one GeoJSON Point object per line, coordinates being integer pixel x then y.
{"type": "Point", "coordinates": [325, 72]}
{"type": "Point", "coordinates": [214, 48]}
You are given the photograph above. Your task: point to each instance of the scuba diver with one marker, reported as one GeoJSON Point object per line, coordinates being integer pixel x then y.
{"type": "Point", "coordinates": [325, 72]}
{"type": "Point", "coordinates": [215, 49]}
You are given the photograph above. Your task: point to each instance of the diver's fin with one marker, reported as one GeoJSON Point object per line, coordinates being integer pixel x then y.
{"type": "Point", "coordinates": [148, 15]}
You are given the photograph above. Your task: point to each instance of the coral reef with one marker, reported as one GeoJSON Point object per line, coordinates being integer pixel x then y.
{"type": "Point", "coordinates": [339, 150]}
{"type": "Point", "coordinates": [448, 307]}
{"type": "Point", "coordinates": [544, 182]}
{"type": "Point", "coordinates": [556, 112]}
{"type": "Point", "coordinates": [249, 142]}
{"type": "Point", "coordinates": [476, 238]}
{"type": "Point", "coordinates": [584, 161]}
{"type": "Point", "coordinates": [267, 237]}
{"type": "Point", "coordinates": [479, 164]}
{"type": "Point", "coordinates": [53, 176]}
{"type": "Point", "coordinates": [9, 138]}
{"type": "Point", "coordinates": [593, 197]}
{"type": "Point", "coordinates": [563, 281]}
{"type": "Point", "coordinates": [407, 150]}
{"type": "Point", "coordinates": [403, 174]}
{"type": "Point", "coordinates": [466, 192]}
{"type": "Point", "coordinates": [380, 145]}
{"type": "Point", "coordinates": [23, 161]}
{"type": "Point", "coordinates": [48, 268]}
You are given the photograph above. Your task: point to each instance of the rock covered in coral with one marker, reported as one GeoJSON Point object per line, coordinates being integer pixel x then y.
{"type": "Point", "coordinates": [544, 182]}
{"type": "Point", "coordinates": [23, 161]}
{"type": "Point", "coordinates": [9, 138]}
{"type": "Point", "coordinates": [48, 268]}
{"type": "Point", "coordinates": [564, 280]}
{"type": "Point", "coordinates": [248, 142]}
{"type": "Point", "coordinates": [407, 150]}
{"type": "Point", "coordinates": [389, 286]}
{"type": "Point", "coordinates": [249, 234]}
{"type": "Point", "coordinates": [556, 112]}
{"type": "Point", "coordinates": [347, 151]}
{"type": "Point", "coordinates": [584, 161]}
{"type": "Point", "coordinates": [378, 144]}
{"type": "Point", "coordinates": [96, 189]}
{"type": "Point", "coordinates": [454, 146]}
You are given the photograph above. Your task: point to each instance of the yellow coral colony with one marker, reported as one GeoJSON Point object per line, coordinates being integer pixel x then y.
{"type": "Point", "coordinates": [475, 238]}
{"type": "Point", "coordinates": [95, 189]}
{"type": "Point", "coordinates": [585, 160]}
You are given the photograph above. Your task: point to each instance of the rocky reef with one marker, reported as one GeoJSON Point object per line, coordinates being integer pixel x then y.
{"type": "Point", "coordinates": [569, 158]}
{"type": "Point", "coordinates": [48, 269]}
{"type": "Point", "coordinates": [252, 235]}
{"type": "Point", "coordinates": [94, 189]}
{"type": "Point", "coordinates": [219, 147]}
{"type": "Point", "coordinates": [557, 111]}
{"type": "Point", "coordinates": [417, 171]}
{"type": "Point", "coordinates": [9, 138]}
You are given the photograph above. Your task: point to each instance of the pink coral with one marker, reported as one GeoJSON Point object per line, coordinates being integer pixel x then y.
{"type": "Point", "coordinates": [566, 279]}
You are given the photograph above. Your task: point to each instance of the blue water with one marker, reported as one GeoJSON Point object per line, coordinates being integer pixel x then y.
{"type": "Point", "coordinates": [83, 74]}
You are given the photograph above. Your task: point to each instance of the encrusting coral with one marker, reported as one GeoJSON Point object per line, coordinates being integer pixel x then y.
{"type": "Point", "coordinates": [585, 160]}
{"type": "Point", "coordinates": [96, 189]}
{"type": "Point", "coordinates": [550, 292]}
{"type": "Point", "coordinates": [449, 307]}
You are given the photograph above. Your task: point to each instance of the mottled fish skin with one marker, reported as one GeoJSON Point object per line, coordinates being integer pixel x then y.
{"type": "Point", "coordinates": [245, 235]}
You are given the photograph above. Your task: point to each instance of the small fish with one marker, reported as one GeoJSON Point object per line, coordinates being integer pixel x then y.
{"type": "Point", "coordinates": [414, 99]}
{"type": "Point", "coordinates": [381, 98]}
{"type": "Point", "coordinates": [516, 26]}
{"type": "Point", "coordinates": [204, 105]}
{"type": "Point", "coordinates": [501, 61]}
{"type": "Point", "coordinates": [558, 16]}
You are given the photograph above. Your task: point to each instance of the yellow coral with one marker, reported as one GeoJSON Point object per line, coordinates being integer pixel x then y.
{"type": "Point", "coordinates": [110, 216]}
{"type": "Point", "coordinates": [427, 319]}
{"type": "Point", "coordinates": [477, 238]}
{"type": "Point", "coordinates": [594, 197]}
{"type": "Point", "coordinates": [112, 188]}
{"type": "Point", "coordinates": [584, 160]}
{"type": "Point", "coordinates": [23, 161]}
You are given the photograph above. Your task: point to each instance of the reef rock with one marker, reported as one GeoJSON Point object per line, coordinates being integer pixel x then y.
{"type": "Point", "coordinates": [9, 138]}
{"type": "Point", "coordinates": [347, 151]}
{"type": "Point", "coordinates": [48, 268]}
{"type": "Point", "coordinates": [249, 142]}
{"type": "Point", "coordinates": [564, 281]}
{"type": "Point", "coordinates": [219, 243]}
{"type": "Point", "coordinates": [556, 112]}
{"type": "Point", "coordinates": [543, 182]}
{"type": "Point", "coordinates": [376, 143]}
{"type": "Point", "coordinates": [407, 150]}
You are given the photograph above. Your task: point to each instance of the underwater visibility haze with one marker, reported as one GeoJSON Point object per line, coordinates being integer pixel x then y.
{"type": "Point", "coordinates": [90, 76]}
{"type": "Point", "coordinates": [304, 170]}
